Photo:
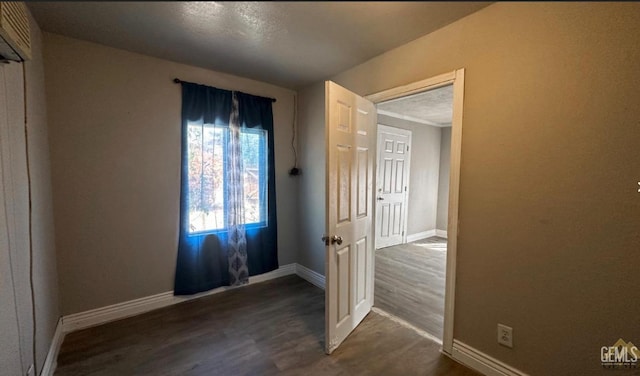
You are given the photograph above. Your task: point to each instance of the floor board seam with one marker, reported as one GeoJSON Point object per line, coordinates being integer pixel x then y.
{"type": "Point", "coordinates": [407, 325]}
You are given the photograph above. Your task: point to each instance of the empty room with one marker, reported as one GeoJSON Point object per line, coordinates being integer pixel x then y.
{"type": "Point", "coordinates": [321, 188]}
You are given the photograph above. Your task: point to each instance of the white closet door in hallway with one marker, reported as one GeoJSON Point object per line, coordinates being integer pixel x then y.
{"type": "Point", "coordinates": [391, 185]}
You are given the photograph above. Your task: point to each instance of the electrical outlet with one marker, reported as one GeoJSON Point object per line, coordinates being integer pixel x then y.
{"type": "Point", "coordinates": [505, 336]}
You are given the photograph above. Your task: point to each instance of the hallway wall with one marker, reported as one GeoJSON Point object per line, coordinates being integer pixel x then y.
{"type": "Point", "coordinates": [443, 179]}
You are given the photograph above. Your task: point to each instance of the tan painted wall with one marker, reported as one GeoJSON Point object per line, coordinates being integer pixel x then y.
{"type": "Point", "coordinates": [423, 176]}
{"type": "Point", "coordinates": [114, 121]}
{"type": "Point", "coordinates": [45, 273]}
{"type": "Point", "coordinates": [549, 208]}
{"type": "Point", "coordinates": [15, 296]}
{"type": "Point", "coordinates": [16, 308]}
{"type": "Point", "coordinates": [312, 182]}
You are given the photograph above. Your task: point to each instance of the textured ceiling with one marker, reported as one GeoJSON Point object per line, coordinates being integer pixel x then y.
{"type": "Point", "coordinates": [434, 107]}
{"type": "Point", "coordinates": [290, 44]}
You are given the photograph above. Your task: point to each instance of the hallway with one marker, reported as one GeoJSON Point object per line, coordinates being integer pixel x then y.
{"type": "Point", "coordinates": [410, 282]}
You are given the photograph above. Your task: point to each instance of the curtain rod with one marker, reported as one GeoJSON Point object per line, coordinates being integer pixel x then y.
{"type": "Point", "coordinates": [179, 81]}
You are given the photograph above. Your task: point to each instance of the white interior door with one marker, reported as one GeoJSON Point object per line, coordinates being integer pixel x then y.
{"type": "Point", "coordinates": [350, 127]}
{"type": "Point", "coordinates": [392, 181]}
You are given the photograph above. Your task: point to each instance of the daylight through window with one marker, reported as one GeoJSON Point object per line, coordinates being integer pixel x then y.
{"type": "Point", "coordinates": [207, 153]}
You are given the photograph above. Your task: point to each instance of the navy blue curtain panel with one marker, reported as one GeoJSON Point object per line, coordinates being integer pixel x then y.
{"type": "Point", "coordinates": [262, 242]}
{"type": "Point", "coordinates": [202, 261]}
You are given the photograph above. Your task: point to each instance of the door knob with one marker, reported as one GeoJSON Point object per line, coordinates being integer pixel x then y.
{"type": "Point", "coordinates": [335, 239]}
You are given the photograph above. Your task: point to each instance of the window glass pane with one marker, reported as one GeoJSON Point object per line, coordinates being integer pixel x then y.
{"type": "Point", "coordinates": [206, 178]}
{"type": "Point", "coordinates": [254, 159]}
{"type": "Point", "coordinates": [207, 152]}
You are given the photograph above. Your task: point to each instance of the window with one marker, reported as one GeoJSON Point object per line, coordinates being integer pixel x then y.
{"type": "Point", "coordinates": [207, 153]}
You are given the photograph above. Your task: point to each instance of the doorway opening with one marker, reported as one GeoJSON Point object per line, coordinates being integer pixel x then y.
{"type": "Point", "coordinates": [350, 203]}
{"type": "Point", "coordinates": [412, 202]}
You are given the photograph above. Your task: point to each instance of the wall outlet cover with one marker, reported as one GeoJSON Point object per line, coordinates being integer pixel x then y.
{"type": "Point", "coordinates": [505, 335]}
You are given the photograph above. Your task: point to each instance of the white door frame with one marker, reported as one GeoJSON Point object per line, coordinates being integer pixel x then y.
{"type": "Point", "coordinates": [408, 133]}
{"type": "Point", "coordinates": [457, 79]}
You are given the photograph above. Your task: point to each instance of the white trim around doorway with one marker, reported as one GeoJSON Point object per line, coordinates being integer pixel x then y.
{"type": "Point", "coordinates": [456, 78]}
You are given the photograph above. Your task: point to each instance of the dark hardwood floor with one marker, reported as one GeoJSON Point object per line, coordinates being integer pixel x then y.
{"type": "Point", "coordinates": [410, 280]}
{"type": "Point", "coordinates": [271, 328]}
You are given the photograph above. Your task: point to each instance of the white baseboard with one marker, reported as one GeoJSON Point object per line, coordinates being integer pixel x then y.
{"type": "Point", "coordinates": [134, 307]}
{"type": "Point", "coordinates": [482, 362]}
{"type": "Point", "coordinates": [310, 276]}
{"type": "Point", "coordinates": [280, 272]}
{"type": "Point", "coordinates": [51, 360]}
{"type": "Point", "coordinates": [441, 233]}
{"type": "Point", "coordinates": [420, 235]}
{"type": "Point", "coordinates": [117, 311]}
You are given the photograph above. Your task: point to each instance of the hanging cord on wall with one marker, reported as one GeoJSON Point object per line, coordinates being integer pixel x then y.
{"type": "Point", "coordinates": [294, 128]}
{"type": "Point", "coordinates": [33, 296]}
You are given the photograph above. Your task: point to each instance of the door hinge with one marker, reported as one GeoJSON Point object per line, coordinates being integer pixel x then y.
{"type": "Point", "coordinates": [402, 233]}
{"type": "Point", "coordinates": [405, 188]}
{"type": "Point", "coordinates": [407, 147]}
